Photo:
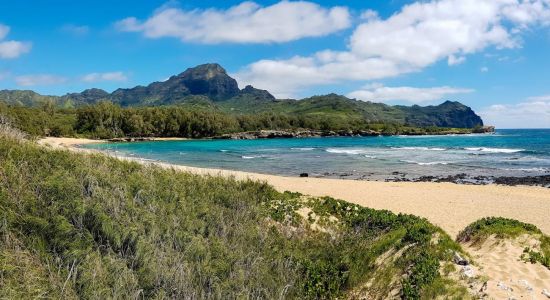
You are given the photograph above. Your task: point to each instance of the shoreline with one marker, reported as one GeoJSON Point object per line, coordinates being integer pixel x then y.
{"type": "Point", "coordinates": [448, 205]}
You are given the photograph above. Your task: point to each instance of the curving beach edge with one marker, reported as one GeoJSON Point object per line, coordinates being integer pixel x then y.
{"type": "Point", "coordinates": [448, 205]}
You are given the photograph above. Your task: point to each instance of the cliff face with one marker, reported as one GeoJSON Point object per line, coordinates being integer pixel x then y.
{"type": "Point", "coordinates": [447, 114]}
{"type": "Point", "coordinates": [211, 87]}
{"type": "Point", "coordinates": [209, 80]}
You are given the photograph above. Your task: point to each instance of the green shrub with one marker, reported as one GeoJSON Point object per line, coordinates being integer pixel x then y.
{"type": "Point", "coordinates": [96, 227]}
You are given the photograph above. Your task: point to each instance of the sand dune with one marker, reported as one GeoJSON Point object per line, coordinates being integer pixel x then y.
{"type": "Point", "coordinates": [450, 206]}
{"type": "Point", "coordinates": [507, 276]}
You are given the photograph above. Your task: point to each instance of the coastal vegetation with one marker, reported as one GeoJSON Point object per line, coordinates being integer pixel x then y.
{"type": "Point", "coordinates": [205, 102]}
{"type": "Point", "coordinates": [108, 120]}
{"type": "Point", "coordinates": [90, 226]}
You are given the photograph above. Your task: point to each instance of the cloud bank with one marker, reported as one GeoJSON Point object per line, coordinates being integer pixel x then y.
{"type": "Point", "coordinates": [380, 93]}
{"type": "Point", "coordinates": [39, 80]}
{"type": "Point", "coordinates": [416, 37]}
{"type": "Point", "coordinates": [247, 22]}
{"type": "Point", "coordinates": [534, 112]}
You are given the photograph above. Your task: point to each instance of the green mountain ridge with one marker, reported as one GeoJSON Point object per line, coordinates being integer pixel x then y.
{"type": "Point", "coordinates": [210, 87]}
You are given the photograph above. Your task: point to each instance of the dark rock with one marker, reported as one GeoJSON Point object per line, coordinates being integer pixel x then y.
{"type": "Point", "coordinates": [304, 175]}
{"type": "Point", "coordinates": [459, 260]}
{"type": "Point", "coordinates": [542, 180]}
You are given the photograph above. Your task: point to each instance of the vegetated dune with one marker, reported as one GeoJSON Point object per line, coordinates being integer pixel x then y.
{"type": "Point", "coordinates": [447, 205]}
{"type": "Point", "coordinates": [511, 259]}
{"type": "Point", "coordinates": [77, 225]}
{"type": "Point", "coordinates": [92, 226]}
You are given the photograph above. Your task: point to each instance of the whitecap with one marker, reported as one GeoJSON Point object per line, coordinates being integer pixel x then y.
{"type": "Point", "coordinates": [345, 151]}
{"type": "Point", "coordinates": [426, 163]}
{"type": "Point", "coordinates": [303, 149]}
{"type": "Point", "coordinates": [420, 148]}
{"type": "Point", "coordinates": [248, 157]}
{"type": "Point", "coordinates": [530, 170]}
{"type": "Point", "coordinates": [493, 150]}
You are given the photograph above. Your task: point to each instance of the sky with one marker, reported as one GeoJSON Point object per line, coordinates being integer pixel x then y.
{"type": "Point", "coordinates": [492, 55]}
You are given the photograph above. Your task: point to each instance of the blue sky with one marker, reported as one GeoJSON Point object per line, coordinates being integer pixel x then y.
{"type": "Point", "coordinates": [492, 55]}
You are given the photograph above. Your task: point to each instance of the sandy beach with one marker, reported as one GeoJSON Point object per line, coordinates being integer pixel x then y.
{"type": "Point", "coordinates": [448, 205]}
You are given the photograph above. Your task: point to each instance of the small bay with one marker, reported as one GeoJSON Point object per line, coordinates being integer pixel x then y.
{"type": "Point", "coordinates": [511, 152]}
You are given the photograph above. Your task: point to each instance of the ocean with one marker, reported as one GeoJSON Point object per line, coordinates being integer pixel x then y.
{"type": "Point", "coordinates": [512, 152]}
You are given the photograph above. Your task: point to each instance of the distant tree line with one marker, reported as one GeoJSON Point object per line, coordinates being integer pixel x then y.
{"type": "Point", "coordinates": [108, 120]}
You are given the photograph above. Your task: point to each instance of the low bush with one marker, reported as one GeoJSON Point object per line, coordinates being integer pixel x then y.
{"type": "Point", "coordinates": [90, 226]}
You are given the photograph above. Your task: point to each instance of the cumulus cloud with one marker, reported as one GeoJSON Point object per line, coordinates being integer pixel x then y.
{"type": "Point", "coordinates": [418, 36]}
{"type": "Point", "coordinates": [380, 93]}
{"type": "Point", "coordinates": [534, 112]}
{"type": "Point", "coordinates": [109, 76]}
{"type": "Point", "coordinates": [11, 49]}
{"type": "Point", "coordinates": [286, 77]}
{"type": "Point", "coordinates": [39, 80]}
{"type": "Point", "coordinates": [247, 22]}
{"type": "Point", "coordinates": [455, 60]}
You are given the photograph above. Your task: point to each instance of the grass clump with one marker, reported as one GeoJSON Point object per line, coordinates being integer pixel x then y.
{"type": "Point", "coordinates": [499, 227]}
{"type": "Point", "coordinates": [90, 226]}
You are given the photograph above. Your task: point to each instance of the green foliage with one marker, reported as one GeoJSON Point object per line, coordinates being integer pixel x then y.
{"type": "Point", "coordinates": [107, 120]}
{"type": "Point", "coordinates": [44, 121]}
{"type": "Point", "coordinates": [501, 227]}
{"type": "Point", "coordinates": [90, 226]}
{"type": "Point", "coordinates": [424, 271]}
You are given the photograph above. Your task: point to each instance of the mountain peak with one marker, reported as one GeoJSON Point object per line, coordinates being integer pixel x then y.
{"type": "Point", "coordinates": [210, 80]}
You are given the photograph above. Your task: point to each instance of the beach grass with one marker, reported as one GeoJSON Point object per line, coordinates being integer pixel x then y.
{"type": "Point", "coordinates": [90, 226]}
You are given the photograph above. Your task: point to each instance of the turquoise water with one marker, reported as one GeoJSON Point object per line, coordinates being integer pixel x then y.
{"type": "Point", "coordinates": [505, 153]}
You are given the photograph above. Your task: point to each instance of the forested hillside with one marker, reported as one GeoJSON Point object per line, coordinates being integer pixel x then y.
{"type": "Point", "coordinates": [108, 120]}
{"type": "Point", "coordinates": [211, 88]}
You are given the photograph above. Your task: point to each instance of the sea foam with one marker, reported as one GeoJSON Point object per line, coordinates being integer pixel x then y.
{"type": "Point", "coordinates": [419, 148]}
{"type": "Point", "coordinates": [346, 151]}
{"type": "Point", "coordinates": [493, 150]}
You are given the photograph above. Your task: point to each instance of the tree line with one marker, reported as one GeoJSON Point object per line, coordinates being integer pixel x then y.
{"type": "Point", "coordinates": [108, 120]}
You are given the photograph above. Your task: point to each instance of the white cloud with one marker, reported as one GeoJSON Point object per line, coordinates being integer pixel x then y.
{"type": "Point", "coordinates": [39, 79]}
{"type": "Point", "coordinates": [109, 76]}
{"type": "Point", "coordinates": [545, 98]}
{"type": "Point", "coordinates": [484, 70]}
{"type": "Point", "coordinates": [453, 60]}
{"type": "Point", "coordinates": [285, 78]}
{"type": "Point", "coordinates": [247, 22]}
{"type": "Point", "coordinates": [11, 49]}
{"type": "Point", "coordinates": [380, 93]}
{"type": "Point", "coordinates": [418, 36]}
{"type": "Point", "coordinates": [369, 15]}
{"type": "Point", "coordinates": [533, 113]}
{"type": "Point", "coordinates": [4, 30]}
{"type": "Point", "coordinates": [76, 30]}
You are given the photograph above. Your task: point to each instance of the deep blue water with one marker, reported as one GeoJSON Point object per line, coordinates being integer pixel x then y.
{"type": "Point", "coordinates": [505, 153]}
